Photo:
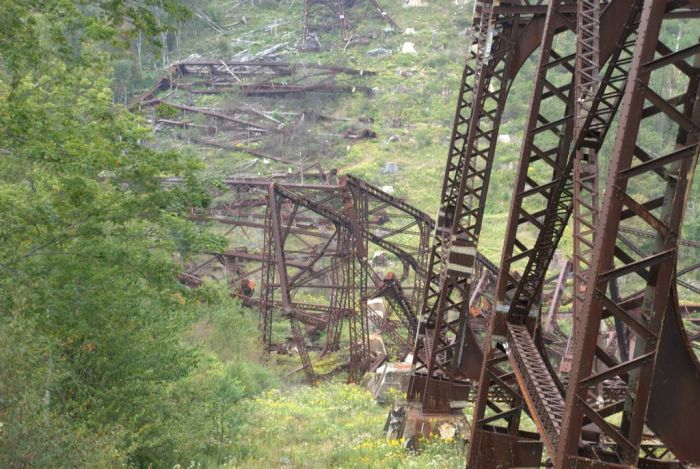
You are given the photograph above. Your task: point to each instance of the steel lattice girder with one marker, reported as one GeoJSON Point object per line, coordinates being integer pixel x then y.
{"type": "Point", "coordinates": [352, 278]}
{"type": "Point", "coordinates": [648, 371]}
{"type": "Point", "coordinates": [524, 354]}
{"type": "Point", "coordinates": [533, 367]}
{"type": "Point", "coordinates": [463, 214]}
{"type": "Point", "coordinates": [276, 245]}
{"type": "Point", "coordinates": [385, 217]}
{"type": "Point", "coordinates": [319, 217]}
{"type": "Point", "coordinates": [548, 134]}
{"type": "Point", "coordinates": [441, 342]}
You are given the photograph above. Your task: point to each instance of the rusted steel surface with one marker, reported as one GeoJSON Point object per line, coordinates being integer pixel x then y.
{"type": "Point", "coordinates": [446, 349]}
{"type": "Point", "coordinates": [585, 168]}
{"type": "Point", "coordinates": [277, 240]}
{"type": "Point", "coordinates": [326, 226]}
{"type": "Point", "coordinates": [390, 289]}
{"type": "Point", "coordinates": [662, 213]}
{"type": "Point", "coordinates": [617, 391]}
{"type": "Point", "coordinates": [320, 223]}
{"type": "Point", "coordinates": [539, 390]}
{"type": "Point", "coordinates": [630, 353]}
{"type": "Point", "coordinates": [548, 134]}
{"type": "Point", "coordinates": [466, 184]}
{"type": "Point", "coordinates": [526, 297]}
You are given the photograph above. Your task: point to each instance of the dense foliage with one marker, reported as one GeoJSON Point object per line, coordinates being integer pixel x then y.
{"type": "Point", "coordinates": [95, 368]}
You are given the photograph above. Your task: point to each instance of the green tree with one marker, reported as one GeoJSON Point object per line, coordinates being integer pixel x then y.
{"type": "Point", "coordinates": [91, 314]}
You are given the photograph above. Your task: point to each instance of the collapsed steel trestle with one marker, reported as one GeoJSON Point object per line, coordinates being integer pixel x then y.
{"type": "Point", "coordinates": [313, 245]}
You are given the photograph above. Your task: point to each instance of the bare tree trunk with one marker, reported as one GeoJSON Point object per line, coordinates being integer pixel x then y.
{"type": "Point", "coordinates": [164, 48]}
{"type": "Point", "coordinates": [139, 46]}
{"type": "Point", "coordinates": [177, 41]}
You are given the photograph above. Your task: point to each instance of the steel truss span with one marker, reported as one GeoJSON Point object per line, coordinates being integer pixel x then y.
{"type": "Point", "coordinates": [305, 245]}
{"type": "Point", "coordinates": [295, 239]}
{"type": "Point", "coordinates": [625, 392]}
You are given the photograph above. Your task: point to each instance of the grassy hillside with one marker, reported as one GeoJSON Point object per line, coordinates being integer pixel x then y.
{"type": "Point", "coordinates": [334, 425]}
{"type": "Point", "coordinates": [106, 360]}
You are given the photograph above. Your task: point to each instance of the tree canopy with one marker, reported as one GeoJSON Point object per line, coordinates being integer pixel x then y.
{"type": "Point", "coordinates": [94, 367]}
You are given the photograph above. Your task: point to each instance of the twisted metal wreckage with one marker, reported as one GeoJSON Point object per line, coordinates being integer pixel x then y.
{"type": "Point", "coordinates": [314, 240]}
{"type": "Point", "coordinates": [311, 240]}
{"type": "Point", "coordinates": [267, 108]}
{"type": "Point", "coordinates": [614, 383]}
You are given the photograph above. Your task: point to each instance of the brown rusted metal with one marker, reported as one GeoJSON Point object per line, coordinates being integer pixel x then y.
{"type": "Point", "coordinates": [585, 170]}
{"type": "Point", "coordinates": [575, 425]}
{"type": "Point", "coordinates": [320, 224]}
{"type": "Point", "coordinates": [527, 35]}
{"type": "Point", "coordinates": [547, 137]}
{"type": "Point", "coordinates": [523, 302]}
{"type": "Point", "coordinates": [633, 370]}
{"type": "Point", "coordinates": [447, 353]}
{"type": "Point", "coordinates": [277, 240]}
{"type": "Point", "coordinates": [661, 354]}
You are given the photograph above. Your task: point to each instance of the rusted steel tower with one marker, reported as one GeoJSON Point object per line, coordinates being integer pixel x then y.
{"type": "Point", "coordinates": [441, 367]}
{"type": "Point", "coordinates": [447, 358]}
{"type": "Point", "coordinates": [575, 420]}
{"type": "Point", "coordinates": [598, 62]}
{"type": "Point", "coordinates": [659, 365]}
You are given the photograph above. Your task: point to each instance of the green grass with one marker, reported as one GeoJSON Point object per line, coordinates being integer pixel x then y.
{"type": "Point", "coordinates": [333, 425]}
